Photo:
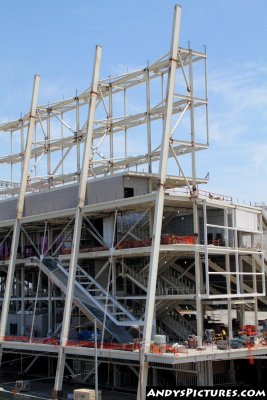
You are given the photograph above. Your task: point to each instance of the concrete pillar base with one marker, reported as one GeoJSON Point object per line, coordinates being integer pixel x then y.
{"type": "Point", "coordinates": [57, 394]}
{"type": "Point", "coordinates": [232, 377]}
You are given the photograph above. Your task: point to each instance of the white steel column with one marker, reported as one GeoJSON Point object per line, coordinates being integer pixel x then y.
{"type": "Point", "coordinates": [254, 280]}
{"type": "Point", "coordinates": [236, 253]}
{"type": "Point", "coordinates": [20, 208]}
{"type": "Point", "coordinates": [192, 123]}
{"type": "Point", "coordinates": [148, 119]}
{"type": "Point", "coordinates": [209, 373]}
{"type": "Point", "coordinates": [48, 147]}
{"type": "Point", "coordinates": [153, 268]}
{"type": "Point", "coordinates": [206, 248]}
{"type": "Point", "coordinates": [78, 134]}
{"type": "Point", "coordinates": [229, 301]}
{"type": "Point", "coordinates": [228, 280]}
{"type": "Point", "coordinates": [50, 323]}
{"type": "Point", "coordinates": [110, 124]}
{"type": "Point", "coordinates": [198, 274]}
{"type": "Point", "coordinates": [22, 309]}
{"type": "Point", "coordinates": [87, 157]}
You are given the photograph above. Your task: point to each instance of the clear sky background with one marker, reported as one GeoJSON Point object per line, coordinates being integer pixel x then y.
{"type": "Point", "coordinates": [57, 38]}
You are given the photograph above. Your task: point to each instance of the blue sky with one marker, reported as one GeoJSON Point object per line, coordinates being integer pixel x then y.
{"type": "Point", "coordinates": [57, 40]}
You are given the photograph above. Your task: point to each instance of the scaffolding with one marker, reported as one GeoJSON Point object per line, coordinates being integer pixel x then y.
{"type": "Point", "coordinates": [102, 220]}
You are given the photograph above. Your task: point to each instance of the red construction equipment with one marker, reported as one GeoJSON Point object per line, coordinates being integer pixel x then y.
{"type": "Point", "coordinates": [247, 330]}
{"type": "Point", "coordinates": [174, 239]}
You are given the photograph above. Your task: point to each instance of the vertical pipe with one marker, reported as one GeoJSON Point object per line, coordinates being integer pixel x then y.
{"type": "Point", "coordinates": [18, 290]}
{"type": "Point", "coordinates": [232, 377]}
{"type": "Point", "coordinates": [262, 257]}
{"type": "Point", "coordinates": [21, 144]}
{"type": "Point", "coordinates": [62, 148]}
{"type": "Point", "coordinates": [114, 275]}
{"type": "Point", "coordinates": [241, 280]}
{"type": "Point", "coordinates": [125, 130]}
{"type": "Point", "coordinates": [226, 231]}
{"type": "Point", "coordinates": [96, 362]}
{"type": "Point", "coordinates": [229, 301]}
{"type": "Point", "coordinates": [35, 158]}
{"type": "Point", "coordinates": [256, 316]}
{"type": "Point", "coordinates": [206, 95]}
{"type": "Point", "coordinates": [11, 151]}
{"type": "Point", "coordinates": [206, 248]}
{"type": "Point", "coordinates": [35, 303]}
{"type": "Point", "coordinates": [48, 147]}
{"type": "Point", "coordinates": [77, 133]}
{"type": "Point", "coordinates": [162, 89]}
{"type": "Point", "coordinates": [55, 314]}
{"type": "Point", "coordinates": [157, 225]}
{"type": "Point", "coordinates": [236, 253]}
{"type": "Point", "coordinates": [198, 278]}
{"type": "Point", "coordinates": [22, 316]}
{"type": "Point", "coordinates": [148, 120]}
{"type": "Point", "coordinates": [111, 138]}
{"type": "Point", "coordinates": [49, 306]}
{"type": "Point", "coordinates": [228, 281]}
{"type": "Point", "coordinates": [254, 280]}
{"type": "Point", "coordinates": [209, 373]}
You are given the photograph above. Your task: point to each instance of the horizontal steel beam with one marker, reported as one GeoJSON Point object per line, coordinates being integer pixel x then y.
{"type": "Point", "coordinates": [119, 83]}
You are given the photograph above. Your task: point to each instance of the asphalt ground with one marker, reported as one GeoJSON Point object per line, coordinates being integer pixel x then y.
{"type": "Point", "coordinates": [42, 388]}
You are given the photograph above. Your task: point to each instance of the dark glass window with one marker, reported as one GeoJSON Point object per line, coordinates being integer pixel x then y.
{"type": "Point", "coordinates": [128, 192]}
{"type": "Point", "coordinates": [13, 329]}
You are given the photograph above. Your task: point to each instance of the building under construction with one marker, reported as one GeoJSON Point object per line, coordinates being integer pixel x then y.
{"type": "Point", "coordinates": [104, 222]}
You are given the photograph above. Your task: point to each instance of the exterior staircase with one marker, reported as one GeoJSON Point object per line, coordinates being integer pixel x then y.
{"type": "Point", "coordinates": [179, 325]}
{"type": "Point", "coordinates": [182, 285]}
{"type": "Point", "coordinates": [92, 306]}
{"type": "Point", "coordinates": [168, 282]}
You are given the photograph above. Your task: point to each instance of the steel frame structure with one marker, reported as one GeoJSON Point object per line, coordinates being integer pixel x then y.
{"type": "Point", "coordinates": [55, 136]}
{"type": "Point", "coordinates": [103, 143]}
